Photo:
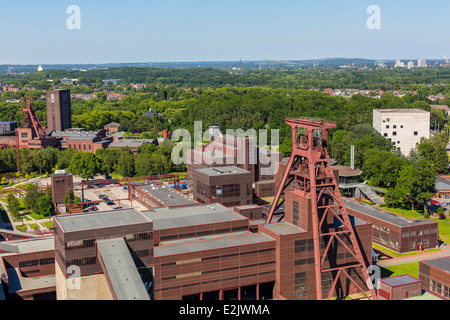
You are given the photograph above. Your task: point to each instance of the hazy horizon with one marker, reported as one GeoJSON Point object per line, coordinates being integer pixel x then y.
{"type": "Point", "coordinates": [145, 31]}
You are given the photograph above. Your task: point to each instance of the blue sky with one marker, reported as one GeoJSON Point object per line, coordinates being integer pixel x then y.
{"type": "Point", "coordinates": [35, 32]}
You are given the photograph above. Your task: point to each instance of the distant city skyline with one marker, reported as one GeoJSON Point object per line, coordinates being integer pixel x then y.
{"type": "Point", "coordinates": [200, 30]}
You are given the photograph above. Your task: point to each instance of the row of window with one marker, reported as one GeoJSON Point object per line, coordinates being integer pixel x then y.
{"type": "Point", "coordinates": [394, 133]}
{"type": "Point", "coordinates": [214, 281]}
{"type": "Point", "coordinates": [233, 255]}
{"type": "Point", "coordinates": [88, 243]}
{"type": "Point", "coordinates": [439, 288]}
{"type": "Point", "coordinates": [222, 270]}
{"type": "Point", "coordinates": [74, 146]}
{"type": "Point", "coordinates": [220, 191]}
{"type": "Point", "coordinates": [82, 261]}
{"type": "Point", "coordinates": [36, 262]}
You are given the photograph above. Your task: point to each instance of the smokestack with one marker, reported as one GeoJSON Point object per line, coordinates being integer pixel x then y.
{"type": "Point", "coordinates": [352, 157]}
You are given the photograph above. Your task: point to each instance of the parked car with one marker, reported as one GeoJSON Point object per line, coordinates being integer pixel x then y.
{"type": "Point", "coordinates": [117, 208]}
{"type": "Point", "coordinates": [101, 196]}
{"type": "Point", "coordinates": [125, 188]}
{"type": "Point", "coordinates": [434, 201]}
{"type": "Point", "coordinates": [110, 203]}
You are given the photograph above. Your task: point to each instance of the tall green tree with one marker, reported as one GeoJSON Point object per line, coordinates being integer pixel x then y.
{"type": "Point", "coordinates": [13, 205]}
{"type": "Point", "coordinates": [125, 165]}
{"type": "Point", "coordinates": [45, 203]}
{"type": "Point", "coordinates": [32, 196]}
{"type": "Point", "coordinates": [86, 165]}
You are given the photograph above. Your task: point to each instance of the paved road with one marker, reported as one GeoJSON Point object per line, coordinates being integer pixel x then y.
{"type": "Point", "coordinates": [445, 252]}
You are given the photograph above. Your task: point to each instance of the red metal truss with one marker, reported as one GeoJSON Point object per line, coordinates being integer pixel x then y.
{"type": "Point", "coordinates": [30, 120]}
{"type": "Point", "coordinates": [310, 174]}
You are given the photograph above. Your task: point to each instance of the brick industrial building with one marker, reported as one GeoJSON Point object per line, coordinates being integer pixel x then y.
{"type": "Point", "coordinates": [59, 113]}
{"type": "Point", "coordinates": [228, 185]}
{"type": "Point", "coordinates": [27, 268]}
{"type": "Point", "coordinates": [194, 252]}
{"type": "Point", "coordinates": [435, 276]}
{"type": "Point", "coordinates": [395, 232]}
{"type": "Point", "coordinates": [181, 249]}
{"type": "Point", "coordinates": [86, 141]}
{"type": "Point", "coordinates": [399, 287]}
{"type": "Point", "coordinates": [242, 152]}
{"type": "Point", "coordinates": [61, 182]}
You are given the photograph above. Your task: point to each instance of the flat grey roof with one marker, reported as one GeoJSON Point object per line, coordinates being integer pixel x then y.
{"type": "Point", "coordinates": [248, 206]}
{"type": "Point", "coordinates": [401, 110]}
{"type": "Point", "coordinates": [130, 143]}
{"type": "Point", "coordinates": [102, 219]}
{"type": "Point", "coordinates": [399, 280]}
{"type": "Point", "coordinates": [383, 214]}
{"type": "Point", "coordinates": [440, 263]}
{"type": "Point", "coordinates": [166, 195]}
{"type": "Point", "coordinates": [283, 228]}
{"type": "Point", "coordinates": [229, 240]}
{"type": "Point", "coordinates": [226, 170]}
{"type": "Point", "coordinates": [29, 245]}
{"type": "Point", "coordinates": [75, 134]}
{"type": "Point", "coordinates": [121, 270]}
{"type": "Point", "coordinates": [17, 283]}
{"type": "Point", "coordinates": [165, 218]}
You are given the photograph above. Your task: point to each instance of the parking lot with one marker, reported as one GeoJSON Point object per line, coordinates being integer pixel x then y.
{"type": "Point", "coordinates": [113, 193]}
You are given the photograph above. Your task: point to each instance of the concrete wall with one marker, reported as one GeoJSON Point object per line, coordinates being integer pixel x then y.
{"type": "Point", "coordinates": [91, 287]}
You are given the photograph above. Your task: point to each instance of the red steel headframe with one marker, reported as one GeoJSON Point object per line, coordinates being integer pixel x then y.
{"type": "Point", "coordinates": [311, 174]}
{"type": "Point", "coordinates": [30, 119]}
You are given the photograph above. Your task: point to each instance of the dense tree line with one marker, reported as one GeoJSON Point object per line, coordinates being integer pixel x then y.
{"type": "Point", "coordinates": [305, 78]}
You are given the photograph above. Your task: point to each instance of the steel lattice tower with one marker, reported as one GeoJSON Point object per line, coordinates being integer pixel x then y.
{"type": "Point", "coordinates": [310, 173]}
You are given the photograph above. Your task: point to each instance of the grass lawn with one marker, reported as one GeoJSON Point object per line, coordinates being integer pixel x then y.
{"type": "Point", "coordinates": [395, 254]}
{"type": "Point", "coordinates": [48, 224]}
{"type": "Point", "coordinates": [444, 229]}
{"type": "Point", "coordinates": [37, 216]}
{"type": "Point", "coordinates": [408, 268]}
{"type": "Point", "coordinates": [21, 228]}
{"type": "Point", "coordinates": [115, 175]}
{"type": "Point", "coordinates": [34, 226]}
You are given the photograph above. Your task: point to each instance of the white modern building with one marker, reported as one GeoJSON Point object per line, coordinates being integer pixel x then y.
{"type": "Point", "coordinates": [404, 127]}
{"type": "Point", "coordinates": [421, 63]}
{"type": "Point", "coordinates": [399, 64]}
{"type": "Point", "coordinates": [411, 65]}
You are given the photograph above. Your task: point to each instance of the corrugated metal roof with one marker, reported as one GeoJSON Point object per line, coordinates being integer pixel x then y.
{"type": "Point", "coordinates": [121, 270]}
